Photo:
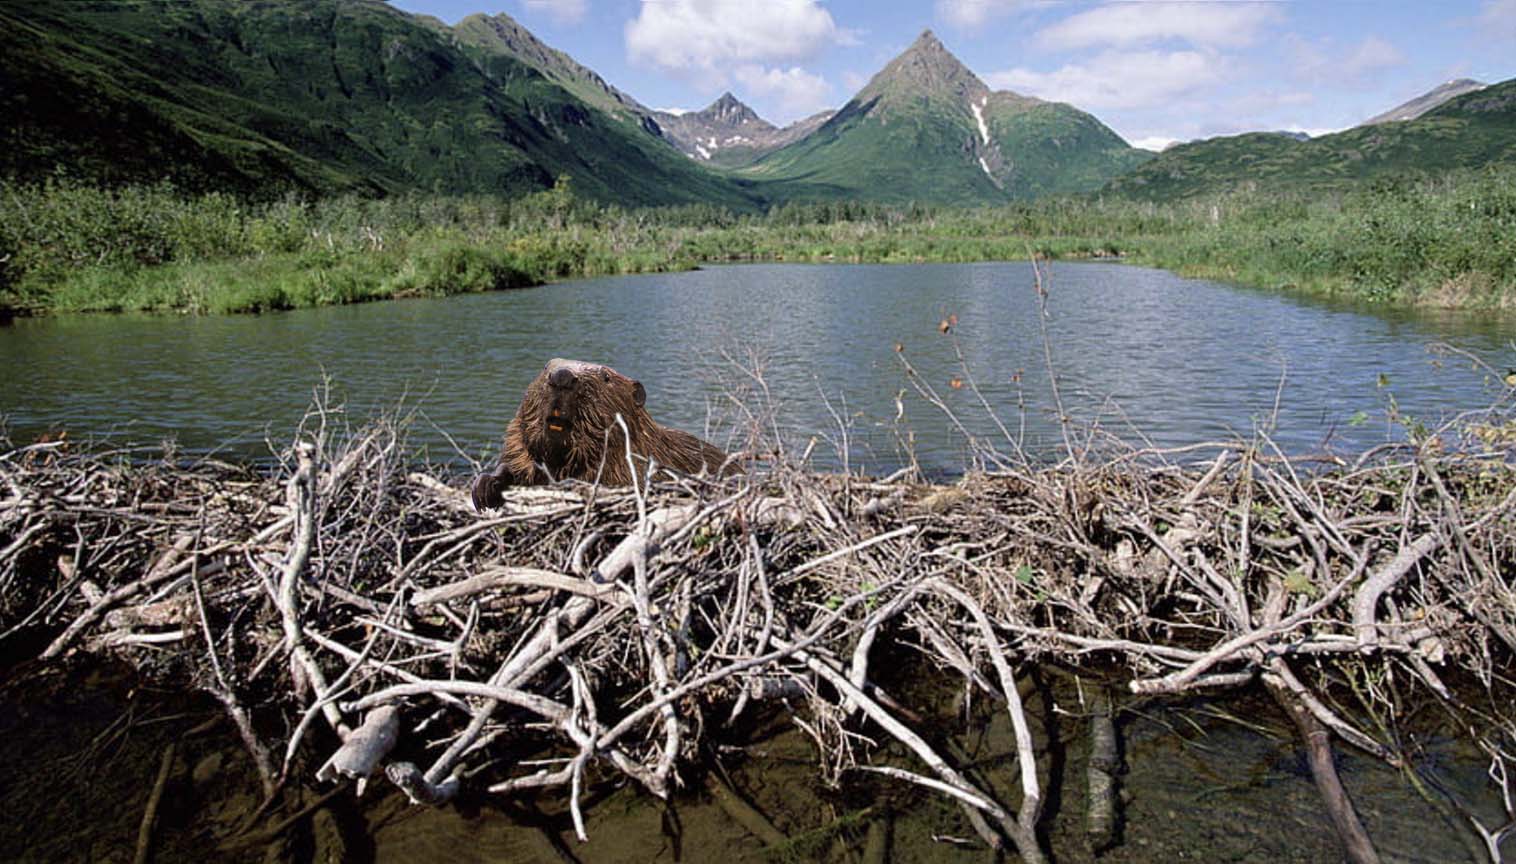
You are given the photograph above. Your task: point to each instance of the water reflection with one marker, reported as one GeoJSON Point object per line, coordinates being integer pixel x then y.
{"type": "Point", "coordinates": [1179, 360]}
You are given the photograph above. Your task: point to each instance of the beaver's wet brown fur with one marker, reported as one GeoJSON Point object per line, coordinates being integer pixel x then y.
{"type": "Point", "coordinates": [566, 429]}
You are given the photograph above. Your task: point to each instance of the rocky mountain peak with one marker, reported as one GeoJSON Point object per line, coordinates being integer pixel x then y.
{"type": "Point", "coordinates": [925, 69]}
{"type": "Point", "coordinates": [928, 41]}
{"type": "Point", "coordinates": [727, 131]}
{"type": "Point", "coordinates": [1426, 101]}
{"type": "Point", "coordinates": [731, 111]}
{"type": "Point", "coordinates": [507, 34]}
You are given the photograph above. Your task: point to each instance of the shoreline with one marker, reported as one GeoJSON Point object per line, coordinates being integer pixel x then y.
{"type": "Point", "coordinates": [68, 248]}
{"type": "Point", "coordinates": [1332, 290]}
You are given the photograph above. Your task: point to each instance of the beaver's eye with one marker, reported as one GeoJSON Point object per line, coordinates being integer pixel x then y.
{"type": "Point", "coordinates": [605, 375]}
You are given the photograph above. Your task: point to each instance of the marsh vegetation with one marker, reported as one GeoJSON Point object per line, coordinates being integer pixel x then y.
{"type": "Point", "coordinates": [67, 247]}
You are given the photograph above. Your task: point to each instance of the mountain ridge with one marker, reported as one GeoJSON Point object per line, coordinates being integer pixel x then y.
{"type": "Point", "coordinates": [926, 128]}
{"type": "Point", "coordinates": [1475, 129]}
{"type": "Point", "coordinates": [925, 68]}
{"type": "Point", "coordinates": [323, 96]}
{"type": "Point", "coordinates": [1416, 107]}
{"type": "Point", "coordinates": [729, 133]}
{"type": "Point", "coordinates": [502, 33]}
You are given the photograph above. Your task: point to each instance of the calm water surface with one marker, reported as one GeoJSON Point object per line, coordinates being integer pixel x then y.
{"type": "Point", "coordinates": [1175, 360]}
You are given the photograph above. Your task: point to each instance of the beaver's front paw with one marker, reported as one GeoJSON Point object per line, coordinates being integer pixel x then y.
{"type": "Point", "coordinates": [486, 492]}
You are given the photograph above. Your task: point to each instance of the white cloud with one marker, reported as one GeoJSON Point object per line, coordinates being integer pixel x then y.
{"type": "Point", "coordinates": [1285, 99]}
{"type": "Point", "coordinates": [797, 92]}
{"type": "Point", "coordinates": [1129, 24]}
{"type": "Point", "coordinates": [972, 13]}
{"type": "Point", "coordinates": [561, 11]}
{"type": "Point", "coordinates": [1371, 55]}
{"type": "Point", "coordinates": [1497, 19]}
{"type": "Point", "coordinates": [692, 36]}
{"type": "Point", "coordinates": [1307, 59]}
{"type": "Point", "coordinates": [1268, 100]}
{"type": "Point", "coordinates": [1156, 143]}
{"type": "Point", "coordinates": [1323, 62]}
{"type": "Point", "coordinates": [1120, 80]}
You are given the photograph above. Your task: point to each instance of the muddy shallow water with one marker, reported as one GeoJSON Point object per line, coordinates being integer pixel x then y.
{"type": "Point", "coordinates": [1204, 780]}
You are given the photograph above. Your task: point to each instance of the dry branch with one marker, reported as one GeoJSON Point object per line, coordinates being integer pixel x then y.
{"type": "Point", "coordinates": [606, 628]}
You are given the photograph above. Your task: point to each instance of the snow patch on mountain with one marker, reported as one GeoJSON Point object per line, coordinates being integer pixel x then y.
{"type": "Point", "coordinates": [984, 131]}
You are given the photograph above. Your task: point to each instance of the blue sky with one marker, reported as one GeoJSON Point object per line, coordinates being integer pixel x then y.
{"type": "Point", "coordinates": [1153, 70]}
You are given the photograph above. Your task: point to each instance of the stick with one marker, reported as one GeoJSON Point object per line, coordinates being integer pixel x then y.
{"type": "Point", "coordinates": [849, 550]}
{"type": "Point", "coordinates": [359, 755]}
{"type": "Point", "coordinates": [150, 812]}
{"type": "Point", "coordinates": [1318, 748]}
{"type": "Point", "coordinates": [1023, 830]}
{"type": "Point", "coordinates": [1100, 776]}
{"type": "Point", "coordinates": [743, 813]}
{"type": "Point", "coordinates": [303, 667]}
{"type": "Point", "coordinates": [963, 789]}
{"type": "Point", "coordinates": [1382, 580]}
{"type": "Point", "coordinates": [262, 761]}
{"type": "Point", "coordinates": [494, 578]}
{"type": "Point", "coordinates": [99, 608]}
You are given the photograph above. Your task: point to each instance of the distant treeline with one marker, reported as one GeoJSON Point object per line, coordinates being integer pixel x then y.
{"type": "Point", "coordinates": [66, 246]}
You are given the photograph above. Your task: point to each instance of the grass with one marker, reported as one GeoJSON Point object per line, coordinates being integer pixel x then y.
{"type": "Point", "coordinates": [1447, 242]}
{"type": "Point", "coordinates": [427, 267]}
{"type": "Point", "coordinates": [69, 247]}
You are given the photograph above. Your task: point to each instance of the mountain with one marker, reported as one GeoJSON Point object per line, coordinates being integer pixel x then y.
{"type": "Point", "coordinates": [1426, 101]}
{"type": "Point", "coordinates": [729, 133]}
{"type": "Point", "coordinates": [925, 128]}
{"type": "Point", "coordinates": [501, 35]}
{"type": "Point", "coordinates": [321, 95]}
{"type": "Point", "coordinates": [261, 96]}
{"type": "Point", "coordinates": [1468, 131]}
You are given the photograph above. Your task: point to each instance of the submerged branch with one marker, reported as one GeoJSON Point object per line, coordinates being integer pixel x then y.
{"type": "Point", "coordinates": [611, 627]}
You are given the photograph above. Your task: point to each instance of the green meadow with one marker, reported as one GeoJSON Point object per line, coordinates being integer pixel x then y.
{"type": "Point", "coordinates": [72, 247]}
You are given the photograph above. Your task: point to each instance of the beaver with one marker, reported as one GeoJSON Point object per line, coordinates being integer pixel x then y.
{"type": "Point", "coordinates": [566, 429]}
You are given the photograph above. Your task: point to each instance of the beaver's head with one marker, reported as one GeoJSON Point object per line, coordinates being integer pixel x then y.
{"type": "Point", "coordinates": [573, 398]}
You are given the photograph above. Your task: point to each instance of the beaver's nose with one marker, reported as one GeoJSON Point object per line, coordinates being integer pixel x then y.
{"type": "Point", "coordinates": [561, 377]}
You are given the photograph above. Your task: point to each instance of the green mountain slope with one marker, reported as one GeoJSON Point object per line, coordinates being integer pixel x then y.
{"type": "Point", "coordinates": [500, 35]}
{"type": "Point", "coordinates": [1469, 131]}
{"type": "Point", "coordinates": [1049, 148]}
{"type": "Point", "coordinates": [317, 94]}
{"type": "Point", "coordinates": [927, 129]}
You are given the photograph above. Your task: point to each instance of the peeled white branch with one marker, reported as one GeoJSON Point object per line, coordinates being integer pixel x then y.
{"type": "Point", "coordinates": [495, 578]}
{"type": "Point", "coordinates": [302, 501]}
{"type": "Point", "coordinates": [360, 755]}
{"type": "Point", "coordinates": [1382, 580]}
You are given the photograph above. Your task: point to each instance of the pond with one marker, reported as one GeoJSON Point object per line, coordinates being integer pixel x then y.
{"type": "Point", "coordinates": [1148, 354]}
{"type": "Point", "coordinates": [1154, 356]}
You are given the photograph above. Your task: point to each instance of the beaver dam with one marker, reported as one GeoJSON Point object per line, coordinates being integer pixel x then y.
{"type": "Point", "coordinates": [938, 670]}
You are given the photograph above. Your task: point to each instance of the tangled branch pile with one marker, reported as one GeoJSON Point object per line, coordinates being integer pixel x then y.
{"type": "Point", "coordinates": [365, 605]}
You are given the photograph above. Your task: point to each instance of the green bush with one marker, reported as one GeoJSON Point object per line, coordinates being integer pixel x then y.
{"type": "Point", "coordinates": [65, 246]}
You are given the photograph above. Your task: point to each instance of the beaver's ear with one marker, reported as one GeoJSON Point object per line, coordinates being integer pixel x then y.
{"type": "Point", "coordinates": [639, 393]}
